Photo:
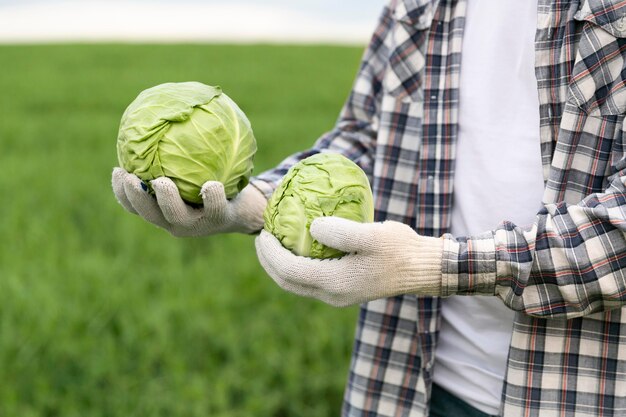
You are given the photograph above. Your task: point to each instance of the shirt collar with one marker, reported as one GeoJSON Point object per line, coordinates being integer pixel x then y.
{"type": "Point", "coordinates": [417, 13]}
{"type": "Point", "coordinates": [609, 15]}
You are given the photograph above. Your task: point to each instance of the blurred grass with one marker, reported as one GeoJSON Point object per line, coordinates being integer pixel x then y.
{"type": "Point", "coordinates": [102, 314]}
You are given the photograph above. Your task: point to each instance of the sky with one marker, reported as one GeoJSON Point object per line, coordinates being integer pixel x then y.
{"type": "Point", "coordinates": [331, 21]}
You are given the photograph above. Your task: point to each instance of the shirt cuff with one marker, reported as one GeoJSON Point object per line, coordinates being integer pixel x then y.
{"type": "Point", "coordinates": [469, 265]}
{"type": "Point", "coordinates": [264, 187]}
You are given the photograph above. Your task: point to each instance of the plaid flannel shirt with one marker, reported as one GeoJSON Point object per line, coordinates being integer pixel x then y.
{"type": "Point", "coordinates": [564, 276]}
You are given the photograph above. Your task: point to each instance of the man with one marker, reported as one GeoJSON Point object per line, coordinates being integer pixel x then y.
{"type": "Point", "coordinates": [537, 83]}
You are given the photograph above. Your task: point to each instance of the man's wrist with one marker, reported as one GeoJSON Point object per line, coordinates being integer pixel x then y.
{"type": "Point", "coordinates": [264, 187]}
{"type": "Point", "coordinates": [469, 265]}
{"type": "Point", "coordinates": [249, 213]}
{"type": "Point", "coordinates": [424, 275]}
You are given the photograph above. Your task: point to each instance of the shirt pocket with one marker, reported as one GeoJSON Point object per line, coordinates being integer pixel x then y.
{"type": "Point", "coordinates": [598, 83]}
{"type": "Point", "coordinates": [403, 77]}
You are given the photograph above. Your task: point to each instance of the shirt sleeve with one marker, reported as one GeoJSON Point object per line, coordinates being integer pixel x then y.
{"type": "Point", "coordinates": [354, 134]}
{"type": "Point", "coordinates": [571, 262]}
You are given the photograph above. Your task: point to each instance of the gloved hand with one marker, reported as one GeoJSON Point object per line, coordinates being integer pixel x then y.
{"type": "Point", "coordinates": [383, 260]}
{"type": "Point", "coordinates": [243, 214]}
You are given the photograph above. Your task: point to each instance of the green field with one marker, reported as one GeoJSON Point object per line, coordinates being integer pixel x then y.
{"type": "Point", "coordinates": [102, 314]}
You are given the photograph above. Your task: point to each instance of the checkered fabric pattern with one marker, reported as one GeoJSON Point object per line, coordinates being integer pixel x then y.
{"type": "Point", "coordinates": [564, 275]}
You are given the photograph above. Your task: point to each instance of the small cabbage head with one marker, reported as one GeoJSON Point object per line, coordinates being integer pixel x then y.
{"type": "Point", "coordinates": [189, 132]}
{"type": "Point", "coordinates": [325, 184]}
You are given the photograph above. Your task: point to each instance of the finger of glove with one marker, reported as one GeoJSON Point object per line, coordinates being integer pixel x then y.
{"type": "Point", "coordinates": [343, 234]}
{"type": "Point", "coordinates": [215, 202]}
{"type": "Point", "coordinates": [174, 209]}
{"type": "Point", "coordinates": [283, 266]}
{"type": "Point", "coordinates": [144, 204]}
{"type": "Point", "coordinates": [118, 177]}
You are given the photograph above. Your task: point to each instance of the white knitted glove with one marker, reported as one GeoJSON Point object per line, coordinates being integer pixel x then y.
{"type": "Point", "coordinates": [243, 214]}
{"type": "Point", "coordinates": [383, 260]}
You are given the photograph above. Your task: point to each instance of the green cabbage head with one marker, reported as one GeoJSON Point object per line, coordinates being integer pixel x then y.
{"type": "Point", "coordinates": [325, 184]}
{"type": "Point", "coordinates": [189, 132]}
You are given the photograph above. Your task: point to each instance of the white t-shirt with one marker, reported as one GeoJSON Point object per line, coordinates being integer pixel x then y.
{"type": "Point", "coordinates": [498, 177]}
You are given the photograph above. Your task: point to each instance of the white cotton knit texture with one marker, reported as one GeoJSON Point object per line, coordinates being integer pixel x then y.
{"type": "Point", "coordinates": [243, 214]}
{"type": "Point", "coordinates": [498, 177]}
{"type": "Point", "coordinates": [383, 260]}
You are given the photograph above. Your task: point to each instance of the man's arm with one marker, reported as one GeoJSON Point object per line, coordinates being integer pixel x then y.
{"type": "Point", "coordinates": [354, 134]}
{"type": "Point", "coordinates": [570, 263]}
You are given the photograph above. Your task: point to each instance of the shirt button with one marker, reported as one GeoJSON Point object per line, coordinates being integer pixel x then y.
{"type": "Point", "coordinates": [621, 24]}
